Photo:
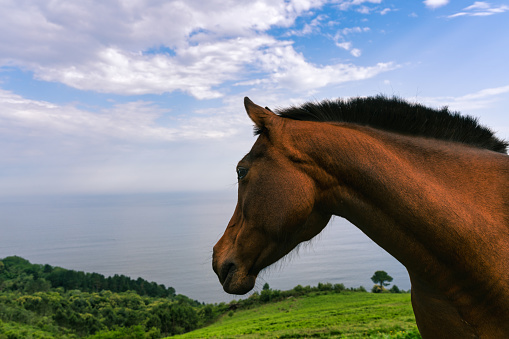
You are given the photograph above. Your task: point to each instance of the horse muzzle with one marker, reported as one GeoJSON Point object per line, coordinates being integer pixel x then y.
{"type": "Point", "coordinates": [234, 279]}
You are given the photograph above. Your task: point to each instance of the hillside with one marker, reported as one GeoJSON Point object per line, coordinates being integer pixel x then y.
{"type": "Point", "coordinates": [41, 301]}
{"type": "Point", "coordinates": [332, 315]}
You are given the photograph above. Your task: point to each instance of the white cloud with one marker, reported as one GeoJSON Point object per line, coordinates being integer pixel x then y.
{"type": "Point", "coordinates": [129, 147]}
{"type": "Point", "coordinates": [153, 47]}
{"type": "Point", "coordinates": [345, 45]}
{"type": "Point", "coordinates": [435, 3]}
{"type": "Point", "coordinates": [91, 26]}
{"type": "Point", "coordinates": [356, 52]}
{"type": "Point", "coordinates": [350, 30]}
{"type": "Point", "coordinates": [348, 46]}
{"type": "Point", "coordinates": [480, 8]}
{"type": "Point", "coordinates": [347, 4]}
{"type": "Point", "coordinates": [133, 122]}
{"type": "Point", "coordinates": [309, 28]}
{"type": "Point", "coordinates": [294, 72]}
{"type": "Point", "coordinates": [472, 101]}
{"type": "Point", "coordinates": [340, 36]}
{"type": "Point", "coordinates": [196, 70]}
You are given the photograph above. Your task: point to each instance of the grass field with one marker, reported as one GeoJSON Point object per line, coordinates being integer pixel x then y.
{"type": "Point", "coordinates": [342, 315]}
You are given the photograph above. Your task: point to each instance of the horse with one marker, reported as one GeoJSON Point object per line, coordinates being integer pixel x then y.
{"type": "Point", "coordinates": [430, 186]}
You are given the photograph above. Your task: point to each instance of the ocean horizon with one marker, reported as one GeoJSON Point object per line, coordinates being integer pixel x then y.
{"type": "Point", "coordinates": [168, 238]}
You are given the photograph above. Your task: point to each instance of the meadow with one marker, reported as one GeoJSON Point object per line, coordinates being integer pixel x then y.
{"type": "Point", "coordinates": [331, 315]}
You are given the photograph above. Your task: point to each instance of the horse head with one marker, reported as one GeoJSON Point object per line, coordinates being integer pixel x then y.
{"type": "Point", "coordinates": [277, 205]}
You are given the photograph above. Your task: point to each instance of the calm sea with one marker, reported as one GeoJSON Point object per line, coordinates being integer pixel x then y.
{"type": "Point", "coordinates": [168, 238]}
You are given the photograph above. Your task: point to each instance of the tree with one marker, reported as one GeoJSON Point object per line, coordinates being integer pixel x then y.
{"type": "Point", "coordinates": [381, 277]}
{"type": "Point", "coordinates": [266, 294]}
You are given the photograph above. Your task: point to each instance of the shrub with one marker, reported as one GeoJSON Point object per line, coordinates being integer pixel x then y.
{"type": "Point", "coordinates": [325, 287]}
{"type": "Point", "coordinates": [379, 289]}
{"type": "Point", "coordinates": [339, 287]}
{"type": "Point", "coordinates": [395, 289]}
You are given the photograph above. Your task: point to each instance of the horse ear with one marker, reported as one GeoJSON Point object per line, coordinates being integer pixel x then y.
{"type": "Point", "coordinates": [260, 116]}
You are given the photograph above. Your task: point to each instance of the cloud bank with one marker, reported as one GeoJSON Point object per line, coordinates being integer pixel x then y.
{"type": "Point", "coordinates": [155, 87]}
{"type": "Point", "coordinates": [154, 47]}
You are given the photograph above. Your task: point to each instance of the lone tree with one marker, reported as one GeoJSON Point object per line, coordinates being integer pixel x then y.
{"type": "Point", "coordinates": [380, 277]}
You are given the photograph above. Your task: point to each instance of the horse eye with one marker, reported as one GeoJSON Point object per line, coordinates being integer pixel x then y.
{"type": "Point", "coordinates": [241, 172]}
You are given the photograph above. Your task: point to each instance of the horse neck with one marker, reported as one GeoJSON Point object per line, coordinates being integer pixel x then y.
{"type": "Point", "coordinates": [421, 200]}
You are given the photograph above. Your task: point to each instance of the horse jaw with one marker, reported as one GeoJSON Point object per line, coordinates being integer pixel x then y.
{"type": "Point", "coordinates": [238, 258]}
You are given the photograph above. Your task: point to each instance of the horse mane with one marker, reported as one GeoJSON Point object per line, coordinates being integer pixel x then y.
{"type": "Point", "coordinates": [399, 116]}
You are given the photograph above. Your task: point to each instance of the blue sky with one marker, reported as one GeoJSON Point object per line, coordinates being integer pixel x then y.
{"type": "Point", "coordinates": [146, 96]}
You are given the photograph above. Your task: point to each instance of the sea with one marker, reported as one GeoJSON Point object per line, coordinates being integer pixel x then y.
{"type": "Point", "coordinates": [168, 238]}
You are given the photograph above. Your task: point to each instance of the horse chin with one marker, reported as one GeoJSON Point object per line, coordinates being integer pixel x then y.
{"type": "Point", "coordinates": [237, 283]}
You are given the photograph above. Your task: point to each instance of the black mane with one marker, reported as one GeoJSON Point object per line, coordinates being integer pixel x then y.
{"type": "Point", "coordinates": [399, 116]}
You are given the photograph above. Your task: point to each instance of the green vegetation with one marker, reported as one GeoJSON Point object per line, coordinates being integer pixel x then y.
{"type": "Point", "coordinates": [320, 315]}
{"type": "Point", "coordinates": [383, 279]}
{"type": "Point", "coordinates": [40, 301]}
{"type": "Point", "coordinates": [19, 274]}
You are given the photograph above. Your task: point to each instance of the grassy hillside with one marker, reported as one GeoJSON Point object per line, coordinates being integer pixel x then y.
{"type": "Point", "coordinates": [44, 302]}
{"type": "Point", "coordinates": [343, 315]}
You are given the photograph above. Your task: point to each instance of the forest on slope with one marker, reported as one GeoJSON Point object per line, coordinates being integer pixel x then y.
{"type": "Point", "coordinates": [42, 301]}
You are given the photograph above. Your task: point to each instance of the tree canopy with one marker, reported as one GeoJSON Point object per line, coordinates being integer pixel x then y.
{"type": "Point", "coordinates": [381, 278]}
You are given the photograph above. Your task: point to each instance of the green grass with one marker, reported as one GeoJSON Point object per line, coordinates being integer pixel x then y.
{"type": "Point", "coordinates": [343, 315]}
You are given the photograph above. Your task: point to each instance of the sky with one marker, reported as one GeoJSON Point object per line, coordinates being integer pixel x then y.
{"type": "Point", "coordinates": [132, 96]}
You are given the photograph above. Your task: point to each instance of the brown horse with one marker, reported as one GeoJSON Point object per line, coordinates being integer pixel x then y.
{"type": "Point", "coordinates": [429, 186]}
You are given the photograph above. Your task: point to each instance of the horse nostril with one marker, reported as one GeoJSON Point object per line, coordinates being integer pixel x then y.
{"type": "Point", "coordinates": [227, 269]}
